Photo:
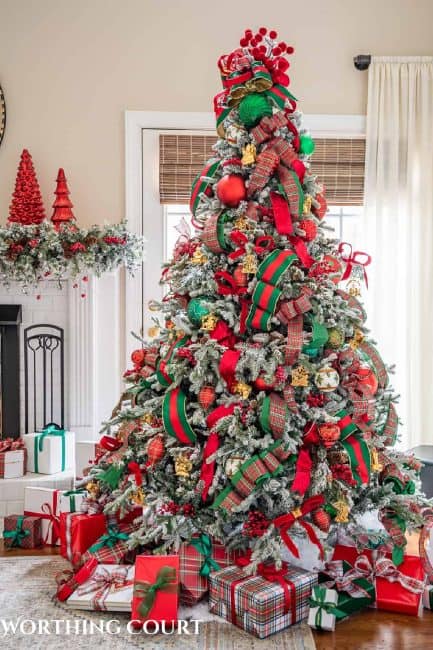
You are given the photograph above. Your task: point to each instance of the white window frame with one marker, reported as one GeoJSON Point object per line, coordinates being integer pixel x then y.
{"type": "Point", "coordinates": [141, 191]}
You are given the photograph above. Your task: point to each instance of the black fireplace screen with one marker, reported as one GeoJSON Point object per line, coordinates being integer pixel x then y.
{"type": "Point", "coordinates": [10, 319]}
{"type": "Point", "coordinates": [44, 369]}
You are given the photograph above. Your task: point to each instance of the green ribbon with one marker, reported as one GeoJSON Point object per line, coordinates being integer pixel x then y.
{"type": "Point", "coordinates": [398, 487]}
{"type": "Point", "coordinates": [322, 605]}
{"type": "Point", "coordinates": [319, 337]}
{"type": "Point", "coordinates": [203, 545]}
{"type": "Point", "coordinates": [71, 494]}
{"type": "Point", "coordinates": [49, 430]}
{"type": "Point", "coordinates": [147, 591]}
{"type": "Point", "coordinates": [112, 536]}
{"type": "Point", "coordinates": [18, 534]}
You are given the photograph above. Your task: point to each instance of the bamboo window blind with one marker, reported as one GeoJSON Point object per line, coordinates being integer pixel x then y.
{"type": "Point", "coordinates": [338, 162]}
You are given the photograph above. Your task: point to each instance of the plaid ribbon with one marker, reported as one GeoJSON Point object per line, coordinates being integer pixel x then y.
{"type": "Point", "coordinates": [201, 183]}
{"type": "Point", "coordinates": [147, 591]}
{"type": "Point", "coordinates": [267, 125]}
{"type": "Point", "coordinates": [390, 427]}
{"type": "Point", "coordinates": [277, 157]}
{"type": "Point", "coordinates": [289, 398]}
{"type": "Point", "coordinates": [345, 580]}
{"type": "Point", "coordinates": [213, 233]}
{"type": "Point", "coordinates": [273, 415]}
{"type": "Point", "coordinates": [102, 583]}
{"type": "Point", "coordinates": [163, 375]}
{"type": "Point", "coordinates": [386, 569]}
{"type": "Point", "coordinates": [353, 304]}
{"type": "Point", "coordinates": [376, 360]}
{"type": "Point", "coordinates": [292, 308]}
{"type": "Point", "coordinates": [294, 340]}
{"type": "Point", "coordinates": [395, 526]}
{"type": "Point", "coordinates": [68, 581]}
{"type": "Point", "coordinates": [10, 444]}
{"type": "Point", "coordinates": [17, 535]}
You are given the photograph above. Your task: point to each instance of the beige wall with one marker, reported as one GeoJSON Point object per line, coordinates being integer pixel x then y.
{"type": "Point", "coordinates": [69, 68]}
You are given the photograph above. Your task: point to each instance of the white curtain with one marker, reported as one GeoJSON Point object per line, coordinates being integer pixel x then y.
{"type": "Point", "coordinates": [398, 232]}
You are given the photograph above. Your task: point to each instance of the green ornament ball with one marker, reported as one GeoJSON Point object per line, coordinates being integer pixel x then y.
{"type": "Point", "coordinates": [307, 145]}
{"type": "Point", "coordinates": [252, 108]}
{"type": "Point", "coordinates": [197, 309]}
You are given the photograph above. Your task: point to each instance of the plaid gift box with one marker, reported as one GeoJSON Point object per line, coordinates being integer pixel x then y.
{"type": "Point", "coordinates": [261, 605]}
{"type": "Point", "coordinates": [197, 560]}
{"type": "Point", "coordinates": [13, 458]}
{"type": "Point", "coordinates": [78, 532]}
{"type": "Point", "coordinates": [112, 547]}
{"type": "Point", "coordinates": [22, 532]}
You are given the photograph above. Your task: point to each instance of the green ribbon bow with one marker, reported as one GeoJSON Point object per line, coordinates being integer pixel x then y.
{"type": "Point", "coordinates": [71, 494]}
{"type": "Point", "coordinates": [49, 430]}
{"type": "Point", "coordinates": [111, 537]}
{"type": "Point", "coordinates": [203, 545]}
{"type": "Point", "coordinates": [318, 600]}
{"type": "Point", "coordinates": [165, 581]}
{"type": "Point", "coordinates": [18, 534]}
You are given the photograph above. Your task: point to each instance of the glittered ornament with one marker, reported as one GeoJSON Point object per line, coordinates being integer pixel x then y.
{"type": "Point", "coordinates": [329, 434]}
{"type": "Point", "coordinates": [367, 377]}
{"type": "Point", "coordinates": [335, 338]}
{"type": "Point", "coordinates": [209, 322]}
{"type": "Point", "coordinates": [300, 376]}
{"type": "Point", "coordinates": [342, 508]}
{"type": "Point", "coordinates": [231, 190]}
{"type": "Point", "coordinates": [242, 389]}
{"type": "Point", "coordinates": [93, 489]}
{"type": "Point", "coordinates": [249, 154]}
{"type": "Point", "coordinates": [155, 450]}
{"type": "Point", "coordinates": [206, 397]}
{"type": "Point", "coordinates": [198, 257]}
{"type": "Point", "coordinates": [357, 339]}
{"type": "Point", "coordinates": [310, 229]}
{"type": "Point", "coordinates": [252, 108]}
{"type": "Point", "coordinates": [232, 465]}
{"type": "Point", "coordinates": [182, 466]}
{"type": "Point", "coordinates": [321, 519]}
{"type": "Point", "coordinates": [249, 264]}
{"type": "Point", "coordinates": [376, 465]}
{"type": "Point", "coordinates": [307, 145]}
{"type": "Point", "coordinates": [198, 308]}
{"type": "Point", "coordinates": [327, 379]}
{"type": "Point", "coordinates": [240, 277]}
{"type": "Point", "coordinates": [137, 497]}
{"type": "Point", "coordinates": [306, 208]}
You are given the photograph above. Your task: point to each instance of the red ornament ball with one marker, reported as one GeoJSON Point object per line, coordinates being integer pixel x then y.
{"type": "Point", "coordinates": [367, 377]}
{"type": "Point", "coordinates": [138, 357]}
{"type": "Point", "coordinates": [261, 384]}
{"type": "Point", "coordinates": [240, 278]}
{"type": "Point", "coordinates": [231, 190]}
{"type": "Point", "coordinates": [321, 519]}
{"type": "Point", "coordinates": [310, 229]}
{"type": "Point", "coordinates": [206, 397]}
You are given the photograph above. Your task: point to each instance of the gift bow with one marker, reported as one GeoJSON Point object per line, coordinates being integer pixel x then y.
{"type": "Point", "coordinates": [72, 494]}
{"type": "Point", "coordinates": [318, 600]}
{"type": "Point", "coordinates": [9, 444]}
{"type": "Point", "coordinates": [147, 591]}
{"type": "Point", "coordinates": [346, 581]}
{"type": "Point", "coordinates": [103, 582]}
{"type": "Point", "coordinates": [285, 522]}
{"type": "Point", "coordinates": [112, 536]}
{"type": "Point", "coordinates": [49, 430]}
{"type": "Point", "coordinates": [203, 545]}
{"type": "Point", "coordinates": [18, 534]}
{"type": "Point", "coordinates": [54, 522]}
{"type": "Point", "coordinates": [386, 569]}
{"type": "Point", "coordinates": [353, 258]}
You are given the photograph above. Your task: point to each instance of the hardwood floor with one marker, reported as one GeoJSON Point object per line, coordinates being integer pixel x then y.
{"type": "Point", "coordinates": [368, 630]}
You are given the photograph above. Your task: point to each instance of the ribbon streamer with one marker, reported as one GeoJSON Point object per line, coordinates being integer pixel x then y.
{"type": "Point", "coordinates": [203, 545]}
{"type": "Point", "coordinates": [285, 522]}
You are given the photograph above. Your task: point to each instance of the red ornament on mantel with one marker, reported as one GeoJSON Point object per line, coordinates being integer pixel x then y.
{"type": "Point", "coordinates": [26, 207]}
{"type": "Point", "coordinates": [62, 205]}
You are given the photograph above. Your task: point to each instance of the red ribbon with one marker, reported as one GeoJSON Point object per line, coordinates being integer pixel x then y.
{"type": "Point", "coordinates": [285, 522]}
{"type": "Point", "coordinates": [9, 444]}
{"type": "Point", "coordinates": [223, 334]}
{"type": "Point", "coordinates": [208, 469]}
{"type": "Point", "coordinates": [47, 513]}
{"type": "Point", "coordinates": [357, 257]}
{"type": "Point", "coordinates": [227, 366]}
{"type": "Point", "coordinates": [301, 251]}
{"type": "Point", "coordinates": [264, 244]}
{"type": "Point", "coordinates": [227, 285]}
{"type": "Point", "coordinates": [304, 465]}
{"type": "Point", "coordinates": [282, 217]}
{"type": "Point", "coordinates": [240, 240]}
{"type": "Point", "coordinates": [218, 413]}
{"type": "Point", "coordinates": [109, 443]}
{"type": "Point", "coordinates": [134, 468]}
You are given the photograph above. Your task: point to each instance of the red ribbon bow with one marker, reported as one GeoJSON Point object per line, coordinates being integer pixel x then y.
{"type": "Point", "coordinates": [134, 468]}
{"type": "Point", "coordinates": [9, 444]}
{"type": "Point", "coordinates": [353, 258]}
{"type": "Point", "coordinates": [285, 522]}
{"type": "Point", "coordinates": [240, 240]}
{"type": "Point", "coordinates": [227, 285]}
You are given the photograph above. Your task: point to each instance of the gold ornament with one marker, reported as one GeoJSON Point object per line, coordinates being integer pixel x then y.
{"type": "Point", "coordinates": [249, 154]}
{"type": "Point", "coordinates": [335, 337]}
{"type": "Point", "coordinates": [147, 418]}
{"type": "Point", "coordinates": [308, 201]}
{"type": "Point", "coordinates": [182, 466]}
{"type": "Point", "coordinates": [249, 264]}
{"type": "Point", "coordinates": [232, 465]}
{"type": "Point", "coordinates": [208, 322]}
{"type": "Point", "coordinates": [296, 513]}
{"type": "Point", "coordinates": [242, 389]}
{"type": "Point", "coordinates": [300, 376]}
{"type": "Point", "coordinates": [198, 257]}
{"type": "Point", "coordinates": [357, 339]}
{"type": "Point", "coordinates": [242, 223]}
{"type": "Point", "coordinates": [343, 510]}
{"type": "Point", "coordinates": [153, 331]}
{"type": "Point", "coordinates": [354, 288]}
{"type": "Point", "coordinates": [137, 497]}
{"type": "Point", "coordinates": [376, 465]}
{"type": "Point", "coordinates": [93, 489]}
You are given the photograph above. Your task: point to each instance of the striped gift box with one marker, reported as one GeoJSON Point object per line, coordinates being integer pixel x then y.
{"type": "Point", "coordinates": [259, 603]}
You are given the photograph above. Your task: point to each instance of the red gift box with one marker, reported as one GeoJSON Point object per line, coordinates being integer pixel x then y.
{"type": "Point", "coordinates": [162, 604]}
{"type": "Point", "coordinates": [400, 589]}
{"type": "Point", "coordinates": [197, 560]}
{"type": "Point", "coordinates": [22, 532]}
{"type": "Point", "coordinates": [78, 532]}
{"type": "Point", "coordinates": [68, 581]}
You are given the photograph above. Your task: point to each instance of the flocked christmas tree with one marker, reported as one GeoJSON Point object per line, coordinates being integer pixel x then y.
{"type": "Point", "coordinates": [262, 413]}
{"type": "Point", "coordinates": [27, 207]}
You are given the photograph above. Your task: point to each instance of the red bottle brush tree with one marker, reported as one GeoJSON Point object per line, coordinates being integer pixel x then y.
{"type": "Point", "coordinates": [26, 207]}
{"type": "Point", "coordinates": [62, 205]}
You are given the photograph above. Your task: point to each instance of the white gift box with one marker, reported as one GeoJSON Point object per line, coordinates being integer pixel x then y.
{"type": "Point", "coordinates": [12, 463]}
{"type": "Point", "coordinates": [71, 500]}
{"type": "Point", "coordinates": [52, 454]}
{"type": "Point", "coordinates": [44, 502]}
{"type": "Point", "coordinates": [327, 621]}
{"type": "Point", "coordinates": [109, 588]}
{"type": "Point", "coordinates": [85, 452]}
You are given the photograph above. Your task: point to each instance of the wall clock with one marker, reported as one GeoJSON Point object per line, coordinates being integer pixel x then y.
{"type": "Point", "coordinates": [2, 115]}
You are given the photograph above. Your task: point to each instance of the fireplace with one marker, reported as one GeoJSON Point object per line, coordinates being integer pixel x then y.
{"type": "Point", "coordinates": [10, 319]}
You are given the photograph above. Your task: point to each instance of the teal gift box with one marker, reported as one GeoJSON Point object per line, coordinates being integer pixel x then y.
{"type": "Point", "coordinates": [50, 451]}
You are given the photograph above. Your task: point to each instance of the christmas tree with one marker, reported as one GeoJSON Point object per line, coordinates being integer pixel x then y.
{"type": "Point", "coordinates": [62, 204]}
{"type": "Point", "coordinates": [262, 413]}
{"type": "Point", "coordinates": [26, 207]}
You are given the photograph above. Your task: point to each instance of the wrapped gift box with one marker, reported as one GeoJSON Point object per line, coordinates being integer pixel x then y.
{"type": "Point", "coordinates": [427, 597]}
{"type": "Point", "coordinates": [398, 589]}
{"type": "Point", "coordinates": [109, 588]}
{"type": "Point", "coordinates": [22, 532]}
{"type": "Point", "coordinates": [68, 581]}
{"type": "Point", "coordinates": [71, 500]}
{"type": "Point", "coordinates": [159, 604]}
{"type": "Point", "coordinates": [85, 453]}
{"type": "Point", "coordinates": [78, 532]}
{"type": "Point", "coordinates": [261, 605]}
{"type": "Point", "coordinates": [323, 609]}
{"type": "Point", "coordinates": [197, 560]}
{"type": "Point", "coordinates": [44, 502]}
{"type": "Point", "coordinates": [112, 546]}
{"type": "Point", "coordinates": [13, 463]}
{"type": "Point", "coordinates": [50, 451]}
